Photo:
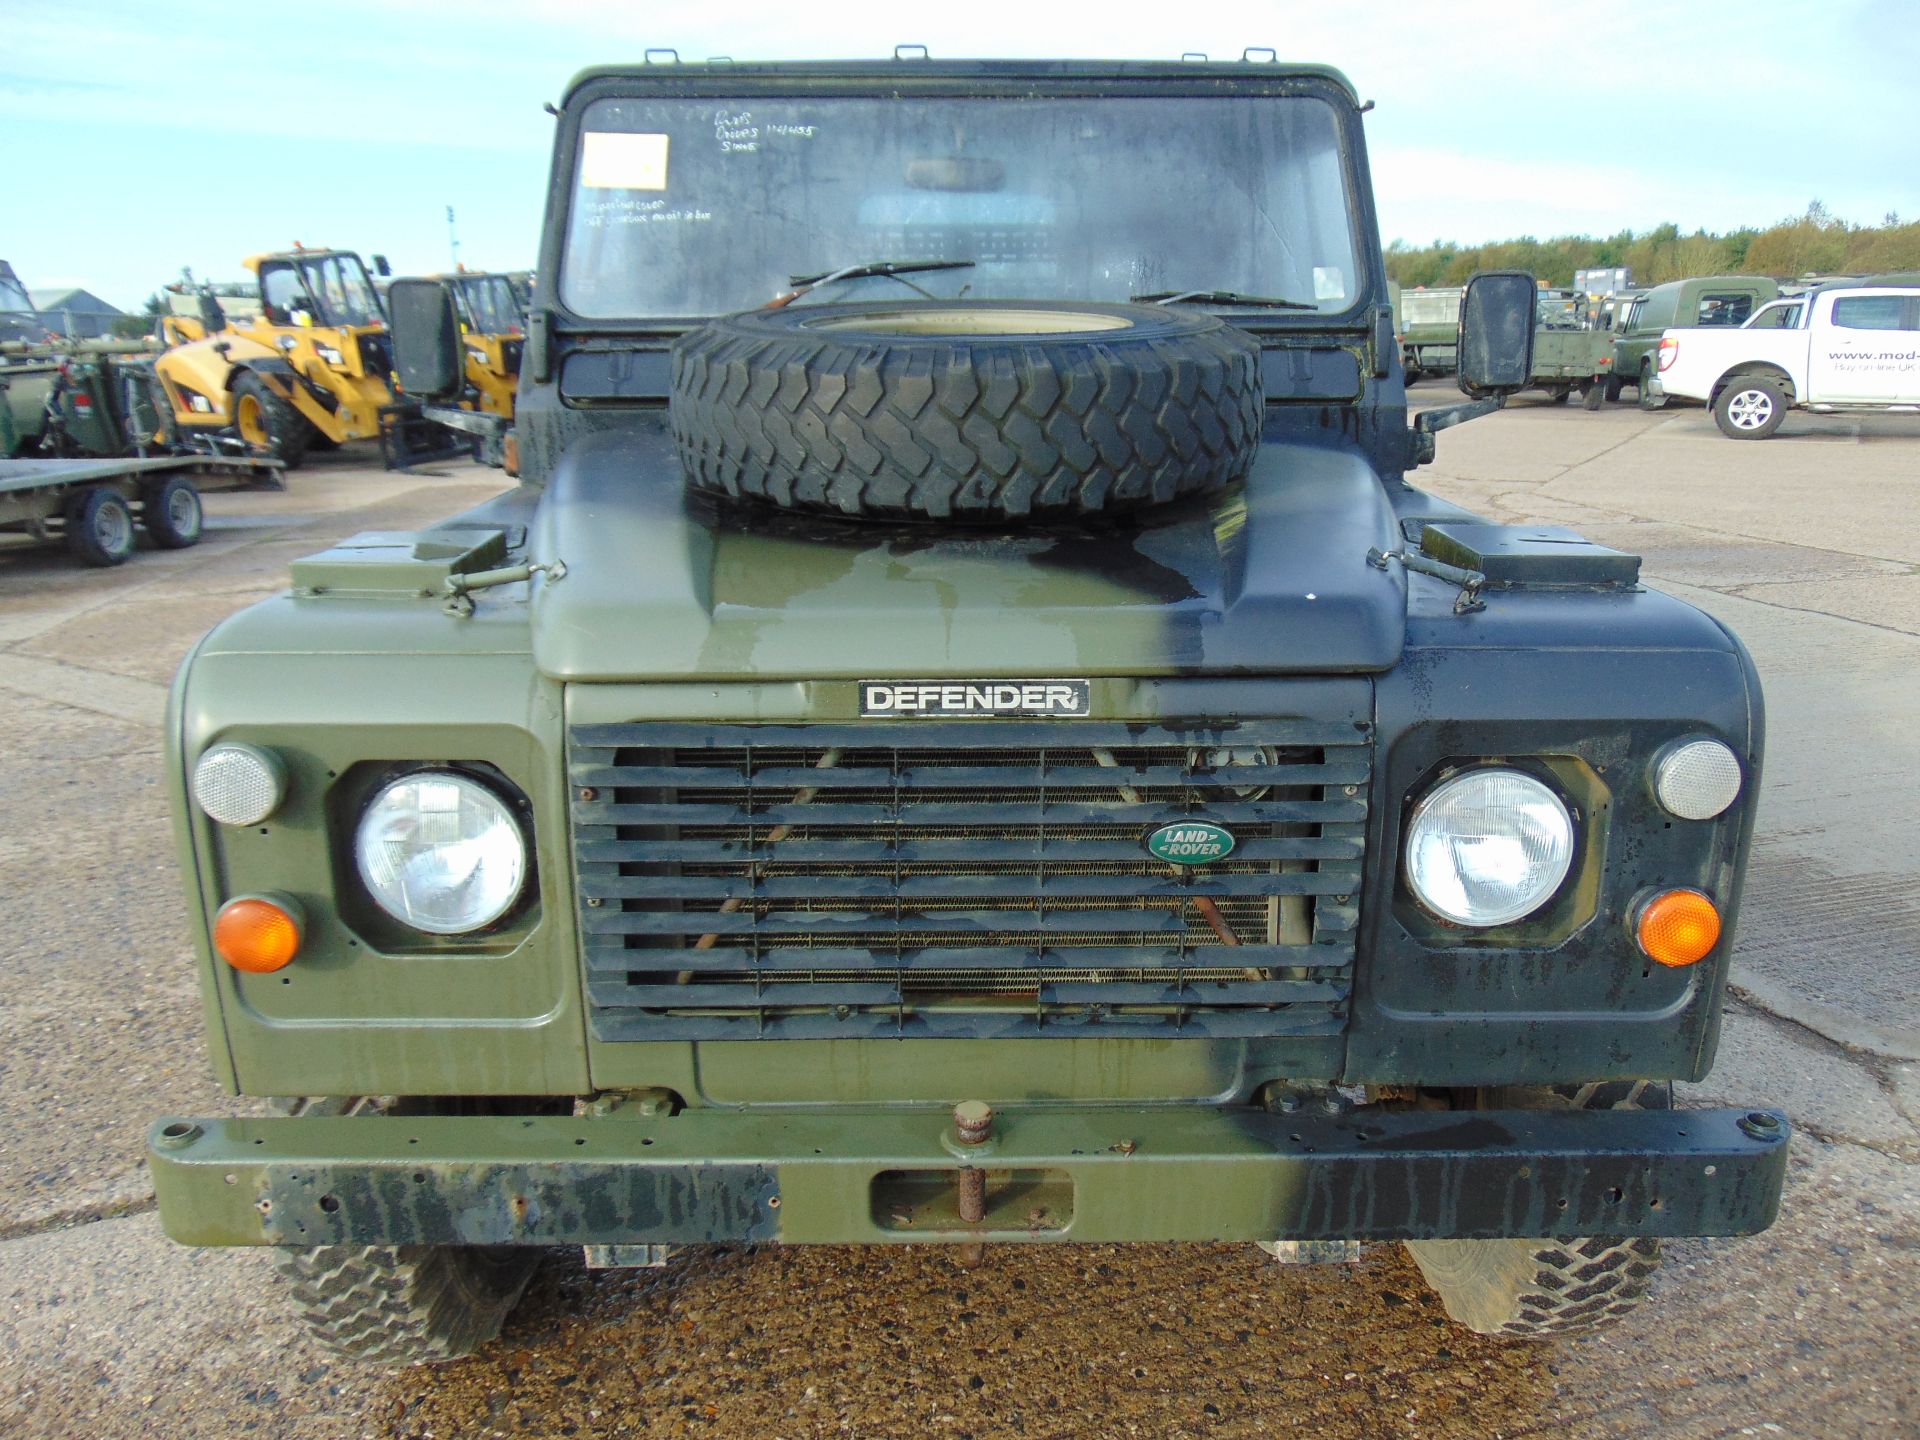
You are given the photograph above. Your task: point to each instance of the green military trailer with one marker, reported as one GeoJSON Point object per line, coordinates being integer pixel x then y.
{"type": "Point", "coordinates": [965, 734]}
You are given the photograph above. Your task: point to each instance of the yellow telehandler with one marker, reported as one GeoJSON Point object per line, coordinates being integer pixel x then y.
{"type": "Point", "coordinates": [311, 368]}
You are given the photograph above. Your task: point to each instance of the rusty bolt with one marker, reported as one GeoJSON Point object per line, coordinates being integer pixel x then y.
{"type": "Point", "coordinates": [973, 1122]}
{"type": "Point", "coordinates": [587, 792]}
{"type": "Point", "coordinates": [1125, 1147]}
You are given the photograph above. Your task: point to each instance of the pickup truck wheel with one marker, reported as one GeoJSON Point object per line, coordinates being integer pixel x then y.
{"type": "Point", "coordinates": [400, 1304]}
{"type": "Point", "coordinates": [1542, 1289]}
{"type": "Point", "coordinates": [966, 410]}
{"type": "Point", "coordinates": [1614, 385]}
{"type": "Point", "coordinates": [171, 510]}
{"type": "Point", "coordinates": [1750, 407]}
{"type": "Point", "coordinates": [99, 527]}
{"type": "Point", "coordinates": [267, 423]}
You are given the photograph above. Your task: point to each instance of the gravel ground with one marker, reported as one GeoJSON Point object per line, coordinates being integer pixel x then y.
{"type": "Point", "coordinates": [1809, 545]}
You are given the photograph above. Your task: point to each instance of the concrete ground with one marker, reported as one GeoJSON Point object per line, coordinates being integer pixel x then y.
{"type": "Point", "coordinates": [1808, 544]}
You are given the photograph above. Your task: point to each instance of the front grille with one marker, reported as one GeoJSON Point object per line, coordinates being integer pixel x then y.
{"type": "Point", "coordinates": [954, 878]}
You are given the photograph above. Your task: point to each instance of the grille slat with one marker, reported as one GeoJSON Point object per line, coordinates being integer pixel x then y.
{"type": "Point", "coordinates": [832, 814]}
{"type": "Point", "coordinates": [1002, 777]}
{"type": "Point", "coordinates": [1332, 880]}
{"type": "Point", "coordinates": [965, 879]}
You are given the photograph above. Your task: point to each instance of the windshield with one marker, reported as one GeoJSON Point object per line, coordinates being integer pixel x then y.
{"type": "Point", "coordinates": [694, 207]}
{"type": "Point", "coordinates": [333, 288]}
{"type": "Point", "coordinates": [490, 306]}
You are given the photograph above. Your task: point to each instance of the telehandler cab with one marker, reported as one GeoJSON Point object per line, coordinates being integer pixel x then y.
{"type": "Point", "coordinates": [309, 369]}
{"type": "Point", "coordinates": [493, 330]}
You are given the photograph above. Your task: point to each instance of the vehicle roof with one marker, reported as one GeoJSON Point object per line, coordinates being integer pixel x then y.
{"type": "Point", "coordinates": [254, 262]}
{"type": "Point", "coordinates": [1754, 281]}
{"type": "Point", "coordinates": [722, 75]}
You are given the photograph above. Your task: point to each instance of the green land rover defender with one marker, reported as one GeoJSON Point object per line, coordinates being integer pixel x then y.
{"type": "Point", "coordinates": [964, 734]}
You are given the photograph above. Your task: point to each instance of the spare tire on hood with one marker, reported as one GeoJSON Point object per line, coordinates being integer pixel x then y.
{"type": "Point", "coordinates": [966, 410]}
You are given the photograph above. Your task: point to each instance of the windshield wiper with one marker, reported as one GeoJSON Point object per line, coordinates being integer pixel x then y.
{"type": "Point", "coordinates": [886, 269]}
{"type": "Point", "coordinates": [1219, 297]}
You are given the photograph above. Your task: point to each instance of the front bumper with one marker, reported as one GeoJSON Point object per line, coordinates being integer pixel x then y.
{"type": "Point", "coordinates": [887, 1176]}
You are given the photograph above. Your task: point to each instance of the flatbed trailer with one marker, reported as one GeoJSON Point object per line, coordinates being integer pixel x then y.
{"type": "Point", "coordinates": [93, 505]}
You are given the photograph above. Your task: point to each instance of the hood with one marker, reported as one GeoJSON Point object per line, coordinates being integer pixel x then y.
{"type": "Point", "coordinates": [660, 584]}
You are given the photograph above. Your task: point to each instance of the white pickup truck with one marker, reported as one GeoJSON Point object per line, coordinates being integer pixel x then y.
{"type": "Point", "coordinates": [1846, 348]}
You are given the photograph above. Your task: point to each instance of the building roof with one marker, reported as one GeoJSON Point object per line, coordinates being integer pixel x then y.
{"type": "Point", "coordinates": [83, 302]}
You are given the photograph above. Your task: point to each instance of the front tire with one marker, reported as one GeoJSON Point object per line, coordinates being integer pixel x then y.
{"type": "Point", "coordinates": [268, 424]}
{"type": "Point", "coordinates": [1750, 407]}
{"type": "Point", "coordinates": [397, 1305]}
{"type": "Point", "coordinates": [1543, 1289]}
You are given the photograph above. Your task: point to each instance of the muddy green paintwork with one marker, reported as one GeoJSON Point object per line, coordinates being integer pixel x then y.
{"type": "Point", "coordinates": [1053, 1173]}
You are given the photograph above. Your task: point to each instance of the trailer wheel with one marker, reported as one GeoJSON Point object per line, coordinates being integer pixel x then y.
{"type": "Point", "coordinates": [268, 424]}
{"type": "Point", "coordinates": [1750, 407]}
{"type": "Point", "coordinates": [1543, 1289]}
{"type": "Point", "coordinates": [99, 527]}
{"type": "Point", "coordinates": [171, 509]}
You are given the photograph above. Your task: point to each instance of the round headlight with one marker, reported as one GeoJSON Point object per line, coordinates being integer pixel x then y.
{"type": "Point", "coordinates": [238, 784]}
{"type": "Point", "coordinates": [1488, 847]}
{"type": "Point", "coordinates": [441, 852]}
{"type": "Point", "coordinates": [1697, 779]}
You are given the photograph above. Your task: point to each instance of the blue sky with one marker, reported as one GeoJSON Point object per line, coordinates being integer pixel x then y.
{"type": "Point", "coordinates": [141, 137]}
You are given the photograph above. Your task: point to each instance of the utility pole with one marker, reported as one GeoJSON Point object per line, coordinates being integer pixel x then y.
{"type": "Point", "coordinates": [453, 239]}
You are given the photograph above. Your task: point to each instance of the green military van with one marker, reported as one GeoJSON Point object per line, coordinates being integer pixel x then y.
{"type": "Point", "coordinates": [1703, 301]}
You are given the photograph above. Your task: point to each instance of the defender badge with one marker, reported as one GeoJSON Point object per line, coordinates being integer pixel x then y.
{"type": "Point", "coordinates": [1029, 699]}
{"type": "Point", "coordinates": [1190, 842]}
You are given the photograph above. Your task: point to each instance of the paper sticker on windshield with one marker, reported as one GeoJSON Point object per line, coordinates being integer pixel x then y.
{"type": "Point", "coordinates": [617, 160]}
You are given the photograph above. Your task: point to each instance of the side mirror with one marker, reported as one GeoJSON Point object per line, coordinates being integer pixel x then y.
{"type": "Point", "coordinates": [1496, 332]}
{"type": "Point", "coordinates": [428, 357]}
{"type": "Point", "coordinates": [381, 267]}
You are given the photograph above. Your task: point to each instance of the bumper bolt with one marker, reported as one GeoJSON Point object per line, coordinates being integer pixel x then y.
{"type": "Point", "coordinates": [972, 1125]}
{"type": "Point", "coordinates": [973, 1122]}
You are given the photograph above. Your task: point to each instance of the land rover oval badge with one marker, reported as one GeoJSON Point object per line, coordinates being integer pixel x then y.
{"type": "Point", "coordinates": [1190, 842]}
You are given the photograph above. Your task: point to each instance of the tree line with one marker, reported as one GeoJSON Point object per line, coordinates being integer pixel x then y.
{"type": "Point", "coordinates": [1816, 242]}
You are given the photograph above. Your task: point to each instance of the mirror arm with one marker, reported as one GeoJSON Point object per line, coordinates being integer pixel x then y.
{"type": "Point", "coordinates": [1429, 423]}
